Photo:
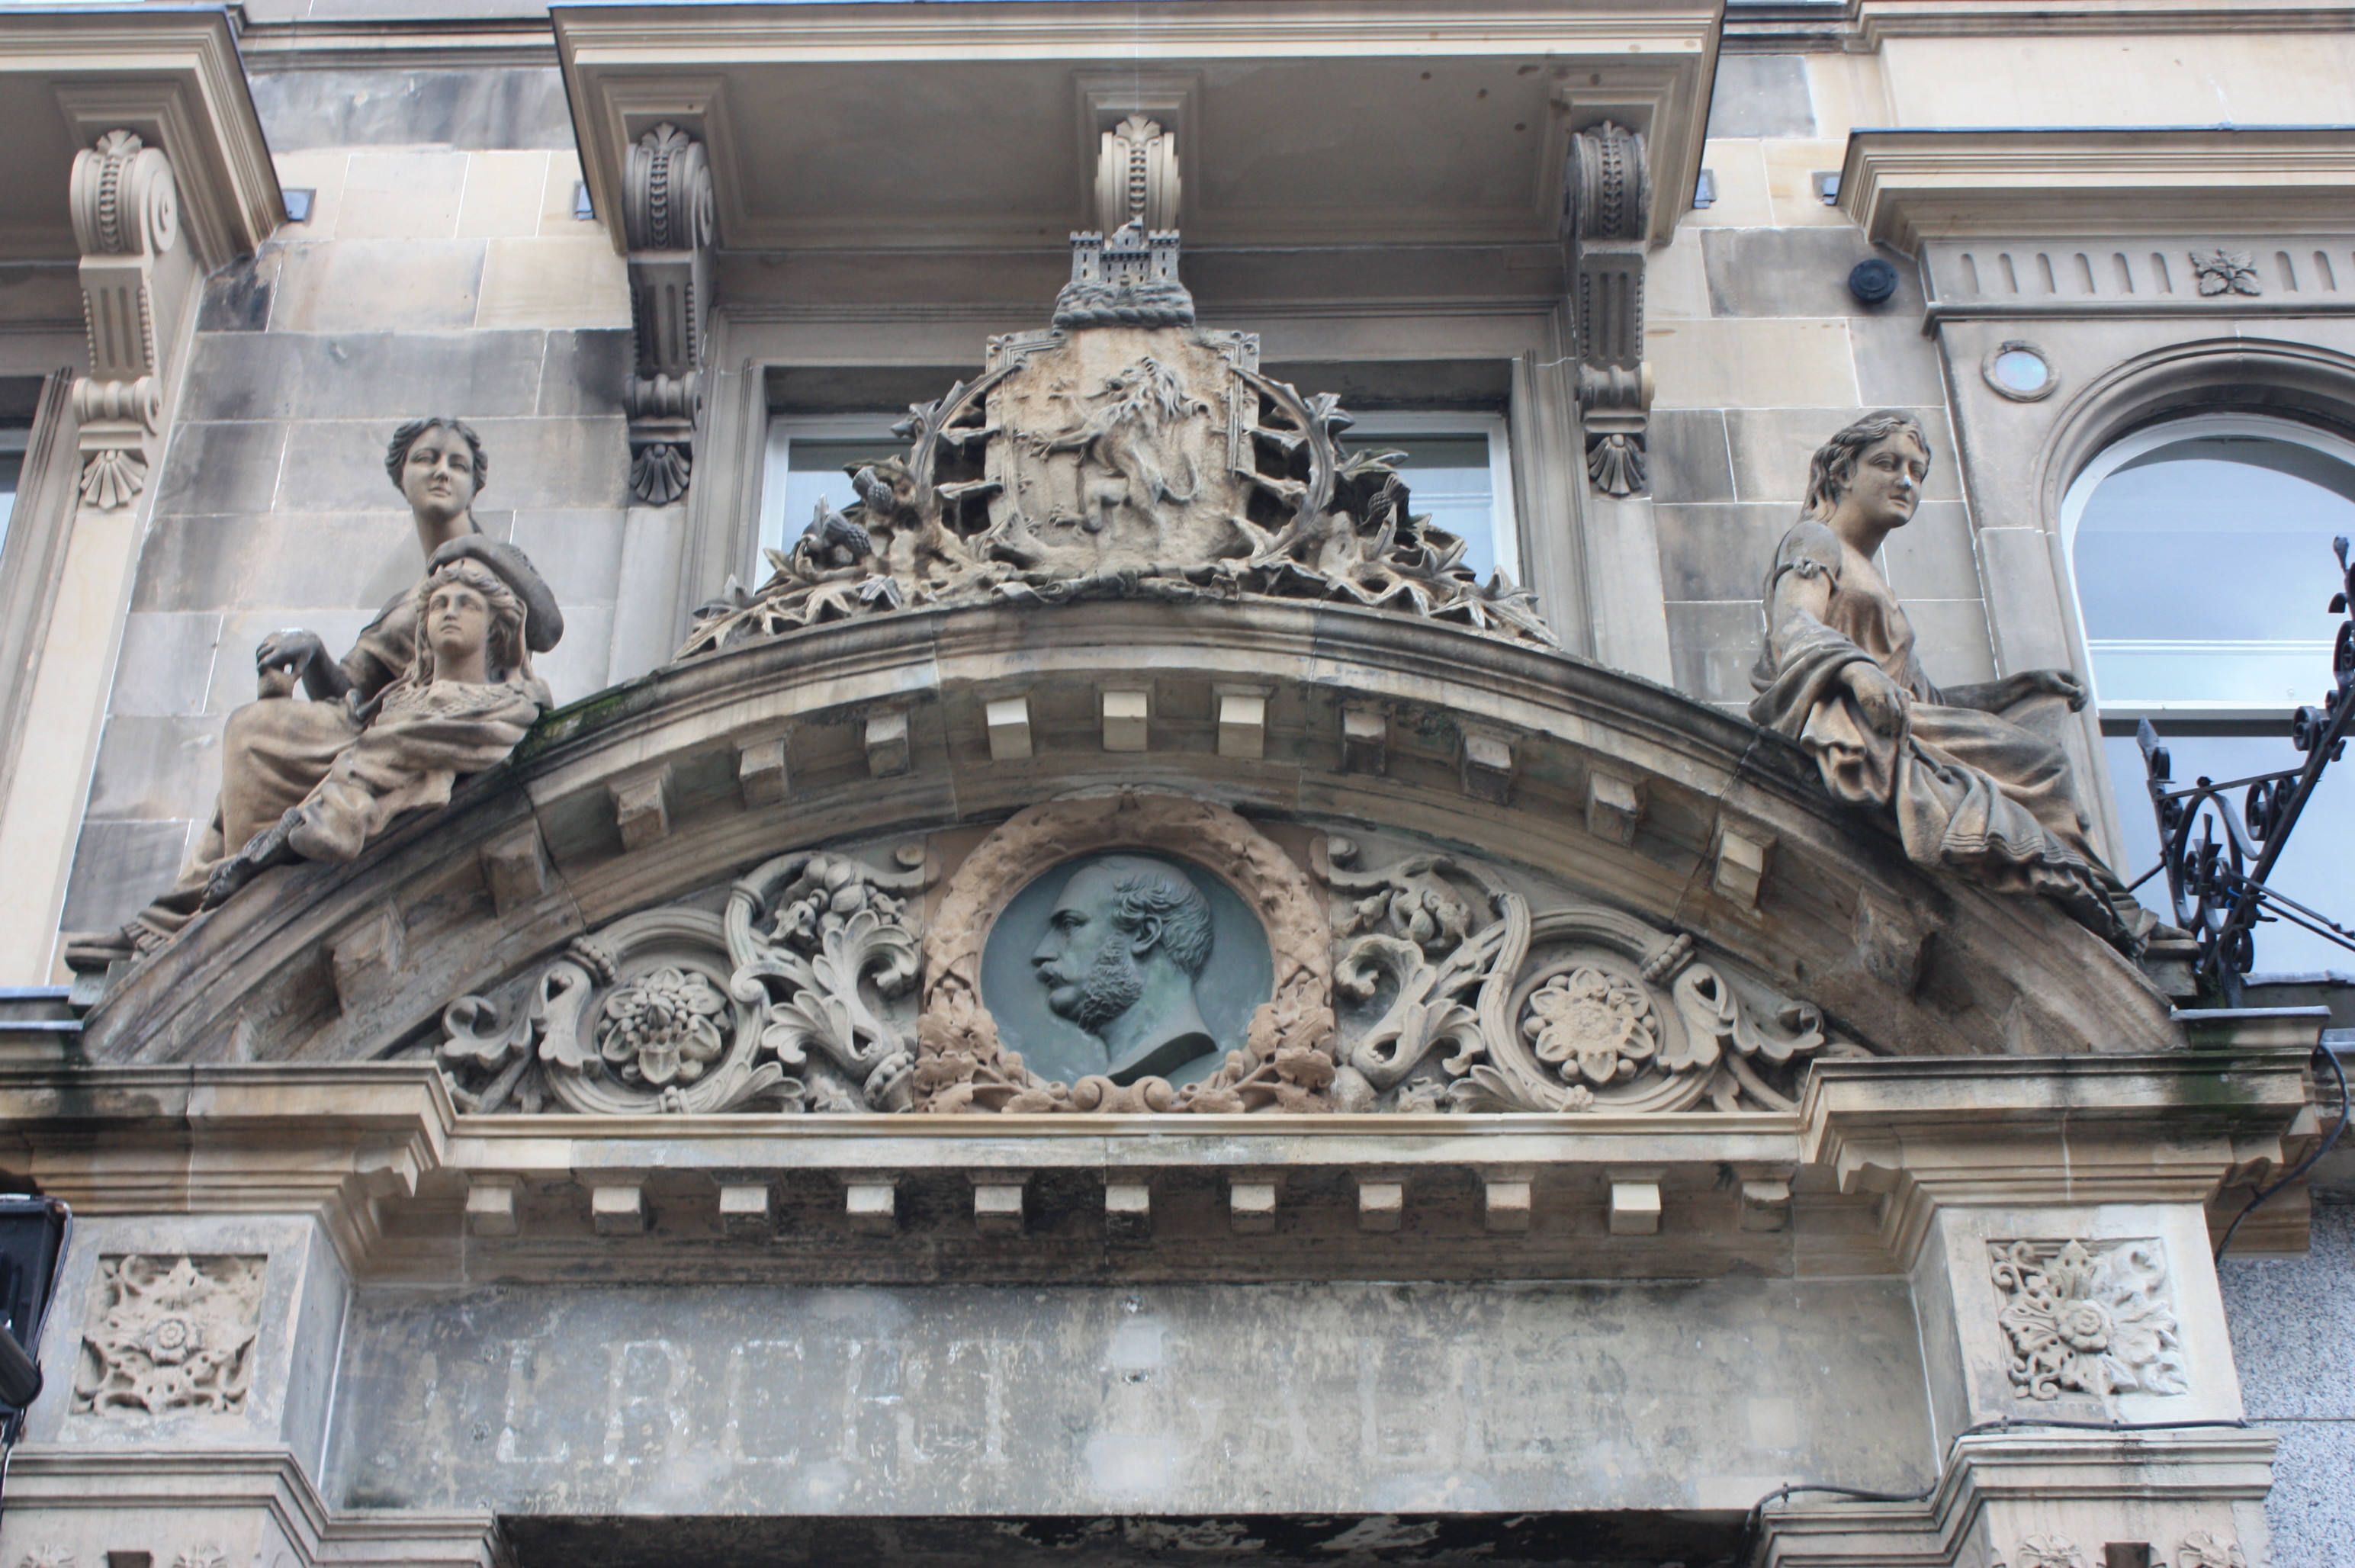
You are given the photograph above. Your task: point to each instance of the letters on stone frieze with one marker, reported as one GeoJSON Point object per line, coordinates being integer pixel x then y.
{"type": "Point", "coordinates": [1124, 453]}
{"type": "Point", "coordinates": [1128, 951]}
{"type": "Point", "coordinates": [2087, 1318]}
{"type": "Point", "coordinates": [170, 1334]}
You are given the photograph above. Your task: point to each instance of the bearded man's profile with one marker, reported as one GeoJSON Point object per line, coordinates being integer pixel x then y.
{"type": "Point", "coordinates": [1121, 952]}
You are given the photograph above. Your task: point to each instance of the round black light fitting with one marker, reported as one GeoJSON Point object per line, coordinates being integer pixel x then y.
{"type": "Point", "coordinates": [1872, 280]}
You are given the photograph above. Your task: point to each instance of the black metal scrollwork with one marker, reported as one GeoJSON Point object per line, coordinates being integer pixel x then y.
{"type": "Point", "coordinates": [2219, 884]}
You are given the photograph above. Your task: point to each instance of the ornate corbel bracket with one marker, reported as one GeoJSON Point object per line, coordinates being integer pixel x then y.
{"type": "Point", "coordinates": [1609, 210]}
{"type": "Point", "coordinates": [666, 218]}
{"type": "Point", "coordinates": [127, 218]}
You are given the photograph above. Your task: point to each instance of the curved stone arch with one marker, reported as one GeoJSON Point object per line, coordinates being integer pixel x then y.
{"type": "Point", "coordinates": [958, 1030]}
{"type": "Point", "coordinates": [2303, 383]}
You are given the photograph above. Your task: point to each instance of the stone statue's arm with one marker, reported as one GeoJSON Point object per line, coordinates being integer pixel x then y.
{"type": "Point", "coordinates": [1995, 696]}
{"type": "Point", "coordinates": [302, 653]}
{"type": "Point", "coordinates": [543, 620]}
{"type": "Point", "coordinates": [1798, 605]}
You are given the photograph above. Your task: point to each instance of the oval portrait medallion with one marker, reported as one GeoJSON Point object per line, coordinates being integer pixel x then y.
{"type": "Point", "coordinates": [1129, 964]}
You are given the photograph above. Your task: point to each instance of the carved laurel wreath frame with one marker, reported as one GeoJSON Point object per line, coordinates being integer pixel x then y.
{"type": "Point", "coordinates": [1288, 1061]}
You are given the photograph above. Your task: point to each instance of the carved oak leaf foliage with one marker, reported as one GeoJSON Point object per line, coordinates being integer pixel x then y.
{"type": "Point", "coordinates": [2087, 1320]}
{"type": "Point", "coordinates": [2226, 272]}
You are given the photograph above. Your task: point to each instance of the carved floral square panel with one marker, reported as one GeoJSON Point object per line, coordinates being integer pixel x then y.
{"type": "Point", "coordinates": [2087, 1318]}
{"type": "Point", "coordinates": [170, 1333]}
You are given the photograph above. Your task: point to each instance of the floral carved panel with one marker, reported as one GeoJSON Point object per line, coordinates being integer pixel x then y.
{"type": "Point", "coordinates": [170, 1334]}
{"type": "Point", "coordinates": [797, 997]}
{"type": "Point", "coordinates": [2087, 1318]}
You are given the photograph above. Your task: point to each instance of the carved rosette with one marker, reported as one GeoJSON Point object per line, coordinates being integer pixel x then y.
{"type": "Point", "coordinates": [1466, 1000]}
{"type": "Point", "coordinates": [1288, 1063]}
{"type": "Point", "coordinates": [789, 1001]}
{"type": "Point", "coordinates": [170, 1334]}
{"type": "Point", "coordinates": [2087, 1318]}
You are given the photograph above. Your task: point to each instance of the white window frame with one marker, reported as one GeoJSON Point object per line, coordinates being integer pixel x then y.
{"type": "Point", "coordinates": [1371, 430]}
{"type": "Point", "coordinates": [784, 430]}
{"type": "Point", "coordinates": [2305, 659]}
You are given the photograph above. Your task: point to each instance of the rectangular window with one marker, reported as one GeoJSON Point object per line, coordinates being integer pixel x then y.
{"type": "Point", "coordinates": [1459, 473]}
{"type": "Point", "coordinates": [806, 459]}
{"type": "Point", "coordinates": [12, 439]}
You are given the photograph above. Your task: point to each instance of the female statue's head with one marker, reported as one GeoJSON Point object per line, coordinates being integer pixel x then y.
{"type": "Point", "coordinates": [1834, 469]}
{"type": "Point", "coordinates": [438, 465]}
{"type": "Point", "coordinates": [466, 604]}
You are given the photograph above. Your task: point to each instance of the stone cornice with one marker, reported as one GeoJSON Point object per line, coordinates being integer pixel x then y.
{"type": "Point", "coordinates": [725, 75]}
{"type": "Point", "coordinates": [1905, 186]}
{"type": "Point", "coordinates": [62, 1480]}
{"type": "Point", "coordinates": [2168, 1127]}
{"type": "Point", "coordinates": [250, 1138]}
{"type": "Point", "coordinates": [1860, 26]}
{"type": "Point", "coordinates": [173, 77]}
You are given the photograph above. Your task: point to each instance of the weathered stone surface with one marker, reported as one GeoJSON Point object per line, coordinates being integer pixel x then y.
{"type": "Point", "coordinates": [118, 866]}
{"type": "Point", "coordinates": [1761, 95]}
{"type": "Point", "coordinates": [1800, 272]}
{"type": "Point", "coordinates": [952, 1399]}
{"type": "Point", "coordinates": [1718, 551]}
{"type": "Point", "coordinates": [1690, 461]}
{"type": "Point", "coordinates": [500, 107]}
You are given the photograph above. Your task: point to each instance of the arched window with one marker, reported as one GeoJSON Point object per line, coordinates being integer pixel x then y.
{"type": "Point", "coordinates": [2200, 552]}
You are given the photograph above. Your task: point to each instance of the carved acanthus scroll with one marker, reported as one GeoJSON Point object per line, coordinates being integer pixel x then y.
{"type": "Point", "coordinates": [784, 1003]}
{"type": "Point", "coordinates": [1610, 211]}
{"type": "Point", "coordinates": [666, 218]}
{"type": "Point", "coordinates": [1469, 1001]}
{"type": "Point", "coordinates": [126, 219]}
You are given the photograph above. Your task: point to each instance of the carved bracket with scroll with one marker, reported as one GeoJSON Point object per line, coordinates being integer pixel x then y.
{"type": "Point", "coordinates": [666, 215]}
{"type": "Point", "coordinates": [126, 219]}
{"type": "Point", "coordinates": [1609, 206]}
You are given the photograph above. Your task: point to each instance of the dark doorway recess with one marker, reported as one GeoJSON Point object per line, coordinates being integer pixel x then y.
{"type": "Point", "coordinates": [1609, 1539]}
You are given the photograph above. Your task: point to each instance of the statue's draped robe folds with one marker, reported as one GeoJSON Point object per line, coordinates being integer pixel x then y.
{"type": "Point", "coordinates": [421, 740]}
{"type": "Point", "coordinates": [1976, 795]}
{"type": "Point", "coordinates": [276, 749]}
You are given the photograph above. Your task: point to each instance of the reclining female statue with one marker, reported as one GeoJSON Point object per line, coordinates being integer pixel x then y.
{"type": "Point", "coordinates": [1976, 795]}
{"type": "Point", "coordinates": [468, 698]}
{"type": "Point", "coordinates": [276, 749]}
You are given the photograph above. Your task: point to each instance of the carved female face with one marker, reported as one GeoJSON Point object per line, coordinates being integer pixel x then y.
{"type": "Point", "coordinates": [458, 624]}
{"type": "Point", "coordinates": [437, 475]}
{"type": "Point", "coordinates": [1887, 486]}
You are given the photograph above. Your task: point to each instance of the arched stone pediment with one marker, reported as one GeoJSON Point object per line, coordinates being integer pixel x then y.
{"type": "Point", "coordinates": [1581, 796]}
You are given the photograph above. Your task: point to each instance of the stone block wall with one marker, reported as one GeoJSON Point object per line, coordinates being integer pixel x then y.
{"type": "Point", "coordinates": [2293, 1340]}
{"type": "Point", "coordinates": [1760, 352]}
{"type": "Point", "coordinates": [441, 269]}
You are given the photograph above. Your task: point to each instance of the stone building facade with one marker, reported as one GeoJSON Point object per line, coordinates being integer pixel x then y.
{"type": "Point", "coordinates": [1521, 1113]}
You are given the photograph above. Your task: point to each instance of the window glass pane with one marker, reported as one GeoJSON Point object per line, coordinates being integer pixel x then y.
{"type": "Point", "coordinates": [2313, 868]}
{"type": "Point", "coordinates": [1449, 480]}
{"type": "Point", "coordinates": [12, 465]}
{"type": "Point", "coordinates": [813, 469]}
{"type": "Point", "coordinates": [2203, 568]}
